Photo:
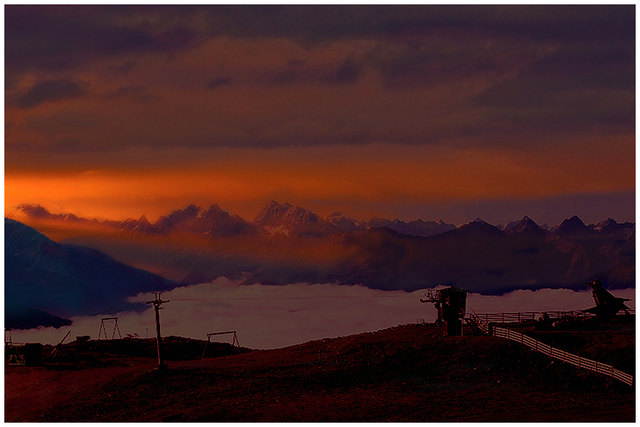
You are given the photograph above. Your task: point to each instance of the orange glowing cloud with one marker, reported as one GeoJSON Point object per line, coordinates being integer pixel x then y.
{"type": "Point", "coordinates": [242, 180]}
{"type": "Point", "coordinates": [345, 117]}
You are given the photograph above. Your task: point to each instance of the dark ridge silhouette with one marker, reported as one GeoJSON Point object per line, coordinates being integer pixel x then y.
{"type": "Point", "coordinates": [611, 226]}
{"type": "Point", "coordinates": [66, 280]}
{"type": "Point", "coordinates": [572, 227]}
{"type": "Point", "coordinates": [286, 219]}
{"type": "Point", "coordinates": [525, 226]}
{"type": "Point", "coordinates": [178, 216]}
{"type": "Point", "coordinates": [476, 227]}
{"type": "Point", "coordinates": [18, 316]}
{"type": "Point", "coordinates": [38, 211]}
{"type": "Point", "coordinates": [413, 228]}
{"type": "Point", "coordinates": [288, 244]}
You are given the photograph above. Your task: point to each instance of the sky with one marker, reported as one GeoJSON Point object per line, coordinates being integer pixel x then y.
{"type": "Point", "coordinates": [277, 316]}
{"type": "Point", "coordinates": [449, 112]}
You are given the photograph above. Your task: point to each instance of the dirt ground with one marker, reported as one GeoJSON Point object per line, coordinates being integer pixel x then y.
{"type": "Point", "coordinates": [407, 373]}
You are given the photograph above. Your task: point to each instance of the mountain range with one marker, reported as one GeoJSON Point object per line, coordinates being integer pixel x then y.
{"type": "Point", "coordinates": [45, 281]}
{"type": "Point", "coordinates": [287, 243]}
{"type": "Point", "coordinates": [275, 219]}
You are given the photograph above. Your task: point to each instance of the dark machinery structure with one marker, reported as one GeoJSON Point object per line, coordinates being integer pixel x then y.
{"type": "Point", "coordinates": [607, 305]}
{"type": "Point", "coordinates": [234, 342]}
{"type": "Point", "coordinates": [451, 304]}
{"type": "Point", "coordinates": [103, 327]}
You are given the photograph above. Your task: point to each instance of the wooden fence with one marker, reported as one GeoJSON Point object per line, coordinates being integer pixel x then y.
{"type": "Point", "coordinates": [552, 352]}
{"type": "Point", "coordinates": [529, 316]}
{"type": "Point", "coordinates": [525, 316]}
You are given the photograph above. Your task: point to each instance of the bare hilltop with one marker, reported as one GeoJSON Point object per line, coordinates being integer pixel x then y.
{"type": "Point", "coordinates": [405, 373]}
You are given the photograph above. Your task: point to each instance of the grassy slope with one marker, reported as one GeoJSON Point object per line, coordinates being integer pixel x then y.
{"type": "Point", "coordinates": [407, 373]}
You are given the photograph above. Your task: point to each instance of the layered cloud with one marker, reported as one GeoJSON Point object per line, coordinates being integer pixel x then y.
{"type": "Point", "coordinates": [125, 90]}
{"type": "Point", "coordinates": [278, 316]}
{"type": "Point", "coordinates": [494, 68]}
{"type": "Point", "coordinates": [50, 90]}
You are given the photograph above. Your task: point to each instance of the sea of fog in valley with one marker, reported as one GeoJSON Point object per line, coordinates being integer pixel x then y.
{"type": "Point", "coordinates": [268, 317]}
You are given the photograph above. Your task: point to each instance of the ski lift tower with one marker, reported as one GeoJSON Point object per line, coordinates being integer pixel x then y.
{"type": "Point", "coordinates": [451, 304]}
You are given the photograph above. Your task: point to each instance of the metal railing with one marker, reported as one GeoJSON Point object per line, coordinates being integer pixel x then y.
{"type": "Point", "coordinates": [552, 352]}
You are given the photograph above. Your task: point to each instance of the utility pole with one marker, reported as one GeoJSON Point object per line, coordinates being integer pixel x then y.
{"type": "Point", "coordinates": [157, 302]}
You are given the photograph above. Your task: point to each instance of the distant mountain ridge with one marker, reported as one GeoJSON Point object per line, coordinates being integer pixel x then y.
{"type": "Point", "coordinates": [525, 226]}
{"type": "Point", "coordinates": [285, 219]}
{"type": "Point", "coordinates": [288, 220]}
{"type": "Point", "coordinates": [287, 244]}
{"type": "Point", "coordinates": [572, 226]}
{"type": "Point", "coordinates": [213, 221]}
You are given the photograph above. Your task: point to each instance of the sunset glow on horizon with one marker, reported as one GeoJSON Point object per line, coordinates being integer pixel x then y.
{"type": "Point", "coordinates": [405, 112]}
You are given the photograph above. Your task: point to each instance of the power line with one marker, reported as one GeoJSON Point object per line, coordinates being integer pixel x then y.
{"type": "Point", "coordinates": [288, 297]}
{"type": "Point", "coordinates": [120, 309]}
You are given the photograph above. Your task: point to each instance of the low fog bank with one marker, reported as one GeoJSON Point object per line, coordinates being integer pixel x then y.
{"type": "Point", "coordinates": [277, 316]}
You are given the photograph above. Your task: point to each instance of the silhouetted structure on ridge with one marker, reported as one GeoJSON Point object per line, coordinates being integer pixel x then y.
{"type": "Point", "coordinates": [451, 305]}
{"type": "Point", "coordinates": [607, 305]}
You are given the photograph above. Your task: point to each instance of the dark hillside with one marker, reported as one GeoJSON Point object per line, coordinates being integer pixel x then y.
{"type": "Point", "coordinates": [45, 279]}
{"type": "Point", "coordinates": [407, 373]}
{"type": "Point", "coordinates": [288, 244]}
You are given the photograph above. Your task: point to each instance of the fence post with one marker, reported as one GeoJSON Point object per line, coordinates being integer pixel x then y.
{"type": "Point", "coordinates": [608, 370]}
